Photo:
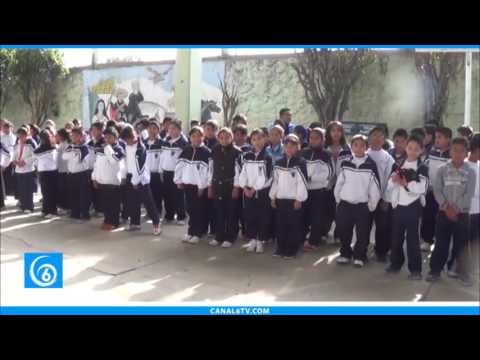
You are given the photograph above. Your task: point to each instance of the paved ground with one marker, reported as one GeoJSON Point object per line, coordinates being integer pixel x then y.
{"type": "Point", "coordinates": [120, 267]}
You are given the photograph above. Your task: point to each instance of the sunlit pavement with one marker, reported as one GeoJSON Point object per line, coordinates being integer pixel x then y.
{"type": "Point", "coordinates": [102, 268]}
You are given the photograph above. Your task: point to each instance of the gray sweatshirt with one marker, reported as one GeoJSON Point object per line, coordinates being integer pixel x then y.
{"type": "Point", "coordinates": [455, 186]}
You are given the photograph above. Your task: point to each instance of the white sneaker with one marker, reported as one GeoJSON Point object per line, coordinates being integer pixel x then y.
{"type": "Point", "coordinates": [180, 222]}
{"type": "Point", "coordinates": [425, 246]}
{"type": "Point", "coordinates": [259, 247]}
{"type": "Point", "coordinates": [213, 242]}
{"type": "Point", "coordinates": [252, 245]}
{"type": "Point", "coordinates": [61, 212]}
{"type": "Point", "coordinates": [226, 244]}
{"type": "Point", "coordinates": [343, 260]}
{"type": "Point", "coordinates": [157, 230]}
{"type": "Point", "coordinates": [194, 240]}
{"type": "Point", "coordinates": [358, 263]}
{"type": "Point", "coordinates": [48, 216]}
{"type": "Point", "coordinates": [186, 238]}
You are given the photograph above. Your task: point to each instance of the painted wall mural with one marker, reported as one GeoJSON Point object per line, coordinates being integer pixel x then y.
{"type": "Point", "coordinates": [132, 92]}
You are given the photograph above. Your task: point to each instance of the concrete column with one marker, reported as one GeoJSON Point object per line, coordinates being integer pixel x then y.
{"type": "Point", "coordinates": [188, 83]}
{"type": "Point", "coordinates": [468, 87]}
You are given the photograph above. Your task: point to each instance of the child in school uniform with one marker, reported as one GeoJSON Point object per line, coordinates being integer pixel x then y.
{"type": "Point", "coordinates": [319, 177]}
{"type": "Point", "coordinates": [210, 140]}
{"type": "Point", "coordinates": [5, 157]}
{"type": "Point", "coordinates": [357, 193]}
{"type": "Point", "coordinates": [474, 163]}
{"type": "Point", "coordinates": [454, 187]}
{"type": "Point", "coordinates": [382, 216]}
{"type": "Point", "coordinates": [63, 181]}
{"type": "Point", "coordinates": [400, 137]}
{"type": "Point", "coordinates": [46, 157]}
{"type": "Point", "coordinates": [77, 155]}
{"type": "Point", "coordinates": [407, 187]}
{"type": "Point", "coordinates": [138, 182]}
{"type": "Point", "coordinates": [95, 146]}
{"type": "Point", "coordinates": [275, 148]}
{"type": "Point", "coordinates": [240, 139]}
{"type": "Point", "coordinates": [8, 139]}
{"type": "Point", "coordinates": [224, 188]}
{"type": "Point", "coordinates": [191, 176]}
{"type": "Point", "coordinates": [438, 156]}
{"type": "Point", "coordinates": [24, 162]}
{"type": "Point", "coordinates": [154, 146]}
{"type": "Point", "coordinates": [107, 177]}
{"type": "Point", "coordinates": [288, 193]}
{"type": "Point", "coordinates": [255, 180]}
{"type": "Point", "coordinates": [174, 197]}
{"type": "Point", "coordinates": [336, 144]}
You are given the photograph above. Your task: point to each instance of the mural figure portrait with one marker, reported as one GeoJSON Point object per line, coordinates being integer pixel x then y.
{"type": "Point", "coordinates": [100, 113]}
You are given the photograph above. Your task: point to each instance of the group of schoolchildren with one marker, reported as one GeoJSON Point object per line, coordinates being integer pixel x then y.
{"type": "Point", "coordinates": [283, 184]}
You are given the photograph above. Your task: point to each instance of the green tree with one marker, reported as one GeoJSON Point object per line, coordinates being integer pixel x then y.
{"type": "Point", "coordinates": [36, 72]}
{"type": "Point", "coordinates": [328, 76]}
{"type": "Point", "coordinates": [7, 78]}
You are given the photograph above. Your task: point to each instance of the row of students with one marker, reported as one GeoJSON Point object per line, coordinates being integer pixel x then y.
{"type": "Point", "coordinates": [315, 170]}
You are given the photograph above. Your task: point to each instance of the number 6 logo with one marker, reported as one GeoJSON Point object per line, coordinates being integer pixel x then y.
{"type": "Point", "coordinates": [43, 270]}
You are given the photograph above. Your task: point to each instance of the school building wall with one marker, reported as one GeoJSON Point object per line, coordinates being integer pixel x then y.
{"type": "Point", "coordinates": [265, 84]}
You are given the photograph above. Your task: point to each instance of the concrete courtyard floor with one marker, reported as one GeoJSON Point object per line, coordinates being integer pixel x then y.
{"type": "Point", "coordinates": [120, 268]}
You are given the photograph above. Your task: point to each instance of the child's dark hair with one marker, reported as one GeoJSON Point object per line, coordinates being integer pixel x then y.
{"type": "Point", "coordinates": [400, 133]}
{"type": "Point", "coordinates": [445, 131]}
{"type": "Point", "coordinates": [265, 130]}
{"type": "Point", "coordinates": [328, 136]}
{"type": "Point", "coordinates": [300, 130]}
{"type": "Point", "coordinates": [166, 119]}
{"type": "Point", "coordinates": [318, 130]}
{"type": "Point", "coordinates": [195, 129]}
{"type": "Point", "coordinates": [283, 111]}
{"type": "Point", "coordinates": [212, 123]}
{"type": "Point", "coordinates": [241, 128]}
{"type": "Point", "coordinates": [127, 132]}
{"type": "Point", "coordinates": [64, 134]}
{"type": "Point", "coordinates": [359, 137]}
{"type": "Point", "coordinates": [277, 122]}
{"type": "Point", "coordinates": [315, 124]}
{"type": "Point", "coordinates": [45, 137]}
{"type": "Point", "coordinates": [240, 119]}
{"type": "Point", "coordinates": [465, 130]}
{"type": "Point", "coordinates": [378, 128]}
{"type": "Point", "coordinates": [98, 125]}
{"type": "Point", "coordinates": [22, 130]}
{"type": "Point", "coordinates": [76, 122]}
{"type": "Point", "coordinates": [256, 132]}
{"type": "Point", "coordinates": [153, 122]}
{"type": "Point", "coordinates": [34, 129]}
{"type": "Point", "coordinates": [194, 123]}
{"type": "Point", "coordinates": [430, 129]}
{"type": "Point", "coordinates": [177, 123]}
{"type": "Point", "coordinates": [6, 123]}
{"type": "Point", "coordinates": [420, 132]}
{"type": "Point", "coordinates": [77, 130]}
{"type": "Point", "coordinates": [292, 139]}
{"type": "Point", "coordinates": [111, 130]}
{"type": "Point", "coordinates": [460, 141]}
{"type": "Point", "coordinates": [416, 139]}
{"type": "Point", "coordinates": [475, 142]}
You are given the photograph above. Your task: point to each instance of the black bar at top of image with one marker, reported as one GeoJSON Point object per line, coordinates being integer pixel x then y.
{"type": "Point", "coordinates": [294, 37]}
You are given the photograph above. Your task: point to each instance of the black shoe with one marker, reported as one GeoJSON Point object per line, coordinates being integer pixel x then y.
{"type": "Point", "coordinates": [415, 276]}
{"type": "Point", "coordinates": [381, 258]}
{"type": "Point", "coordinates": [392, 270]}
{"type": "Point", "coordinates": [432, 277]}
